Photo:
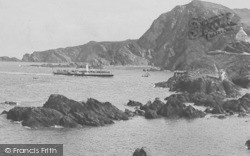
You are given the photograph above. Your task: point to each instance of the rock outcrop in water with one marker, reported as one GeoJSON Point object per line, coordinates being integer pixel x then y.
{"type": "Point", "coordinates": [59, 110]}
{"type": "Point", "coordinates": [175, 108]}
{"type": "Point", "coordinates": [144, 151]}
{"type": "Point", "coordinates": [205, 84]}
{"type": "Point", "coordinates": [247, 144]}
{"type": "Point", "coordinates": [210, 92]}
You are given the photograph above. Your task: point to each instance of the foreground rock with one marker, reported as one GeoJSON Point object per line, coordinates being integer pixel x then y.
{"type": "Point", "coordinates": [59, 110]}
{"type": "Point", "coordinates": [144, 151]}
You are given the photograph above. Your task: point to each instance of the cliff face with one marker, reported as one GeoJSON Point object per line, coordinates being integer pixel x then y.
{"type": "Point", "coordinates": [105, 53]}
{"type": "Point", "coordinates": [200, 36]}
{"type": "Point", "coordinates": [9, 59]}
{"type": "Point", "coordinates": [179, 39]}
{"type": "Point", "coordinates": [186, 33]}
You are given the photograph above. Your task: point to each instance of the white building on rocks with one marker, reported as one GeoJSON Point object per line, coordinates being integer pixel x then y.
{"type": "Point", "coordinates": [241, 35]}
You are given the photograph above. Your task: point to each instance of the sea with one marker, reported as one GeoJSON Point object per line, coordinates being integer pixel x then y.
{"type": "Point", "coordinates": [31, 86]}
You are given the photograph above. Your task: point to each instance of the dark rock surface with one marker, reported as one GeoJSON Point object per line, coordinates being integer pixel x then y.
{"type": "Point", "coordinates": [247, 144]}
{"type": "Point", "coordinates": [144, 151]}
{"type": "Point", "coordinates": [129, 113]}
{"type": "Point", "coordinates": [134, 103]}
{"type": "Point", "coordinates": [151, 114]}
{"type": "Point", "coordinates": [206, 85]}
{"type": "Point", "coordinates": [240, 105]}
{"type": "Point", "coordinates": [59, 110]}
{"type": "Point", "coordinates": [156, 105]}
{"type": "Point", "coordinates": [174, 108]}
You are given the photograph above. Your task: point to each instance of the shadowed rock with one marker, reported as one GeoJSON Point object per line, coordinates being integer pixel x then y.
{"type": "Point", "coordinates": [151, 114]}
{"type": "Point", "coordinates": [142, 152]}
{"type": "Point", "coordinates": [59, 110]}
{"type": "Point", "coordinates": [240, 105]}
{"type": "Point", "coordinates": [247, 144]}
{"type": "Point", "coordinates": [174, 108]}
{"type": "Point", "coordinates": [156, 105]}
{"type": "Point", "coordinates": [134, 103]}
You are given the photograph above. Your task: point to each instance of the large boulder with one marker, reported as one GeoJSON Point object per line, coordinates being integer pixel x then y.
{"type": "Point", "coordinates": [59, 110]}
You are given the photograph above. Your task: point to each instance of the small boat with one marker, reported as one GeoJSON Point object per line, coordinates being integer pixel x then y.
{"type": "Point", "coordinates": [86, 72]}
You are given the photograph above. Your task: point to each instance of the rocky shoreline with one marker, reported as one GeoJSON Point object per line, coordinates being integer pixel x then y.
{"type": "Point", "coordinates": [208, 92]}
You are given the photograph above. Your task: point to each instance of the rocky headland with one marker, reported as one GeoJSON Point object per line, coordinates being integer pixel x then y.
{"type": "Point", "coordinates": [61, 111]}
{"type": "Point", "coordinates": [208, 91]}
{"type": "Point", "coordinates": [9, 59]}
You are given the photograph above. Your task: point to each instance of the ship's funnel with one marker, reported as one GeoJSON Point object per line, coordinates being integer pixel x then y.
{"type": "Point", "coordinates": [87, 67]}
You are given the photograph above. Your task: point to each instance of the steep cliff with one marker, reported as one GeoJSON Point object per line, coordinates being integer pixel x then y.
{"type": "Point", "coordinates": [186, 33]}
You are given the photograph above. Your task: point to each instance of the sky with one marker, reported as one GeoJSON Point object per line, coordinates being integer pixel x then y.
{"type": "Point", "coordinates": [35, 25]}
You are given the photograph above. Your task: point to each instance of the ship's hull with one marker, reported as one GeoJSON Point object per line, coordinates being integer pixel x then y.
{"type": "Point", "coordinates": [86, 74]}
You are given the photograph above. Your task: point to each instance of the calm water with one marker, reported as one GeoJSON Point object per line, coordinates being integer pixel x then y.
{"type": "Point", "coordinates": [31, 86]}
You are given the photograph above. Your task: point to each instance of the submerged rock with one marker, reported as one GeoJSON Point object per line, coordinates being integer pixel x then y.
{"type": "Point", "coordinates": [9, 103]}
{"type": "Point", "coordinates": [144, 151]}
{"type": "Point", "coordinates": [59, 110]}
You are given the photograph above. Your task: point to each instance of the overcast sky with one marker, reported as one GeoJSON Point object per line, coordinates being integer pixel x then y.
{"type": "Point", "coordinates": [35, 25]}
